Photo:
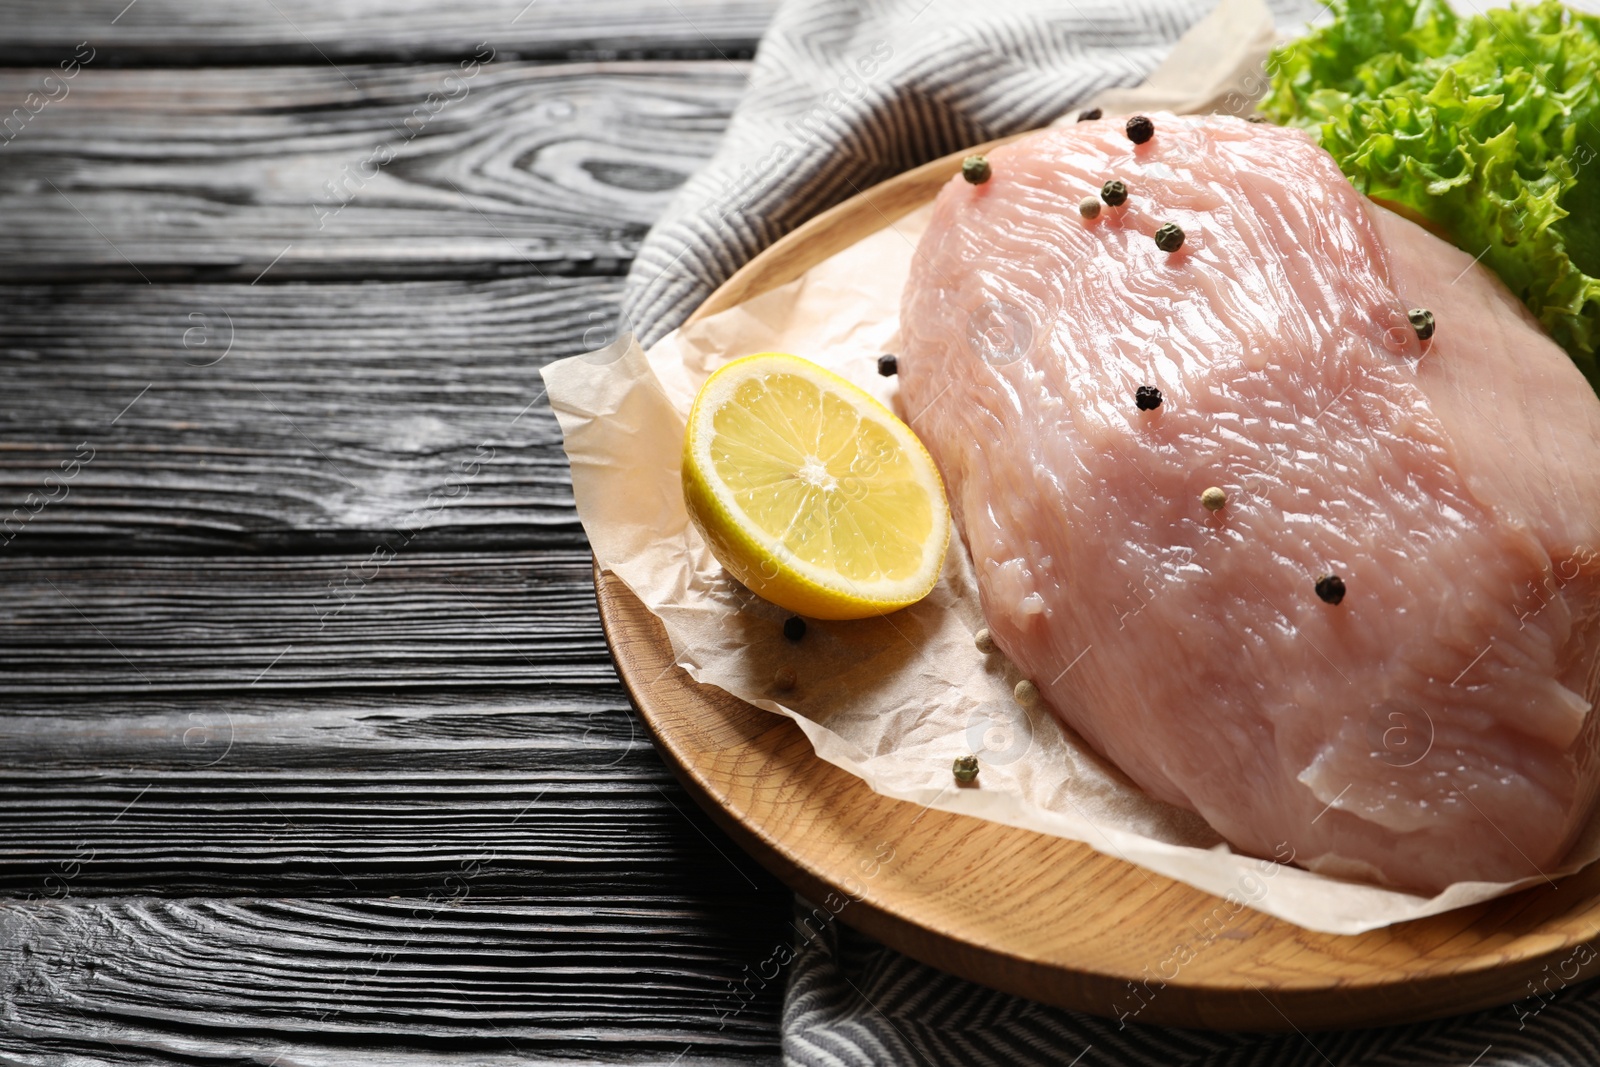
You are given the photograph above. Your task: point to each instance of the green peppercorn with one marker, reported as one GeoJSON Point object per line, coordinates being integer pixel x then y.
{"type": "Point", "coordinates": [1114, 193]}
{"type": "Point", "coordinates": [965, 769]}
{"type": "Point", "coordinates": [975, 169]}
{"type": "Point", "coordinates": [1422, 322]}
{"type": "Point", "coordinates": [1169, 238]}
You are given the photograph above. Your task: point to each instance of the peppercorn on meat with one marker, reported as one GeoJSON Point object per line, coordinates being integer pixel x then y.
{"type": "Point", "coordinates": [1290, 552]}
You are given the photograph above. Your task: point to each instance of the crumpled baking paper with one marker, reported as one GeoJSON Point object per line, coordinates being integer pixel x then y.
{"type": "Point", "coordinates": [893, 700]}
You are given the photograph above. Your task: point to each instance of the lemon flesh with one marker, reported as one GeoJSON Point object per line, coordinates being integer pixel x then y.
{"type": "Point", "coordinates": [811, 492]}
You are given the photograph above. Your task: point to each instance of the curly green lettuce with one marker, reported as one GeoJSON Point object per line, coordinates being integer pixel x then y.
{"type": "Point", "coordinates": [1487, 128]}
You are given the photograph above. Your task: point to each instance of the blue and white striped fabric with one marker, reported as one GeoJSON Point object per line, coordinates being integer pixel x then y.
{"type": "Point", "coordinates": [847, 93]}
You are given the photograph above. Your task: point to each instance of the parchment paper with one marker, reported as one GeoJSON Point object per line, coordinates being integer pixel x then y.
{"type": "Point", "coordinates": [894, 700]}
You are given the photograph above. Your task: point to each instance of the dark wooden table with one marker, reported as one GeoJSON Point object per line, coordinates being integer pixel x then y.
{"type": "Point", "coordinates": [311, 751]}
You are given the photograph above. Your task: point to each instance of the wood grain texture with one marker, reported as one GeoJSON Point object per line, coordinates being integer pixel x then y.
{"type": "Point", "coordinates": [554, 797]}
{"type": "Point", "coordinates": [243, 418]}
{"type": "Point", "coordinates": [1036, 915]}
{"type": "Point", "coordinates": [203, 726]}
{"type": "Point", "coordinates": [536, 725]}
{"type": "Point", "coordinates": [176, 624]}
{"type": "Point", "coordinates": [169, 32]}
{"type": "Point", "coordinates": [381, 981]}
{"type": "Point", "coordinates": [369, 171]}
{"type": "Point", "coordinates": [363, 801]}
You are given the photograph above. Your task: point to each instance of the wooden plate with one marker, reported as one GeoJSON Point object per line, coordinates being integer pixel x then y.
{"type": "Point", "coordinates": [1040, 916]}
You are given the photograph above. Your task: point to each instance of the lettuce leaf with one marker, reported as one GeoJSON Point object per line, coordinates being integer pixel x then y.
{"type": "Point", "coordinates": [1484, 127]}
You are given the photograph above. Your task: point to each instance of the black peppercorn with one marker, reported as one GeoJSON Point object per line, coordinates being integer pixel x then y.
{"type": "Point", "coordinates": [1140, 129]}
{"type": "Point", "coordinates": [975, 169]}
{"type": "Point", "coordinates": [1147, 398]}
{"type": "Point", "coordinates": [1330, 587]}
{"type": "Point", "coordinates": [888, 366]}
{"type": "Point", "coordinates": [1422, 322]}
{"type": "Point", "coordinates": [1089, 114]}
{"type": "Point", "coordinates": [1114, 193]}
{"type": "Point", "coordinates": [1169, 238]}
{"type": "Point", "coordinates": [794, 627]}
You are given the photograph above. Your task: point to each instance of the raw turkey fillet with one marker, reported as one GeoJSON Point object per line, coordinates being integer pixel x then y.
{"type": "Point", "coordinates": [1435, 726]}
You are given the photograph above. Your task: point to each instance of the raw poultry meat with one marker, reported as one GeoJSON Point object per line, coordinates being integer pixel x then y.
{"type": "Point", "coordinates": [1431, 727]}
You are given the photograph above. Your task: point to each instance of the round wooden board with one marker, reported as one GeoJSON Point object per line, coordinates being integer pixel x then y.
{"type": "Point", "coordinates": [1040, 916]}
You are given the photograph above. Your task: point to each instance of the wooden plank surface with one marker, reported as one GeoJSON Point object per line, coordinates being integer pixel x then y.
{"type": "Point", "coordinates": [457, 977]}
{"type": "Point", "coordinates": [184, 624]}
{"type": "Point", "coordinates": [576, 818]}
{"type": "Point", "coordinates": [245, 417]}
{"type": "Point", "coordinates": [212, 725]}
{"type": "Point", "coordinates": [310, 749]}
{"type": "Point", "coordinates": [169, 32]}
{"type": "Point", "coordinates": [551, 793]}
{"type": "Point", "coordinates": [143, 750]}
{"type": "Point", "coordinates": [270, 174]}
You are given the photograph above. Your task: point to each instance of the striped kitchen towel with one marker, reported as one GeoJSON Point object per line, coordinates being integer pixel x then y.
{"type": "Point", "coordinates": [851, 1002]}
{"type": "Point", "coordinates": [847, 93]}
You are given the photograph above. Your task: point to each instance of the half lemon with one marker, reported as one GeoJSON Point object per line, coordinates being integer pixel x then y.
{"type": "Point", "coordinates": [811, 492]}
